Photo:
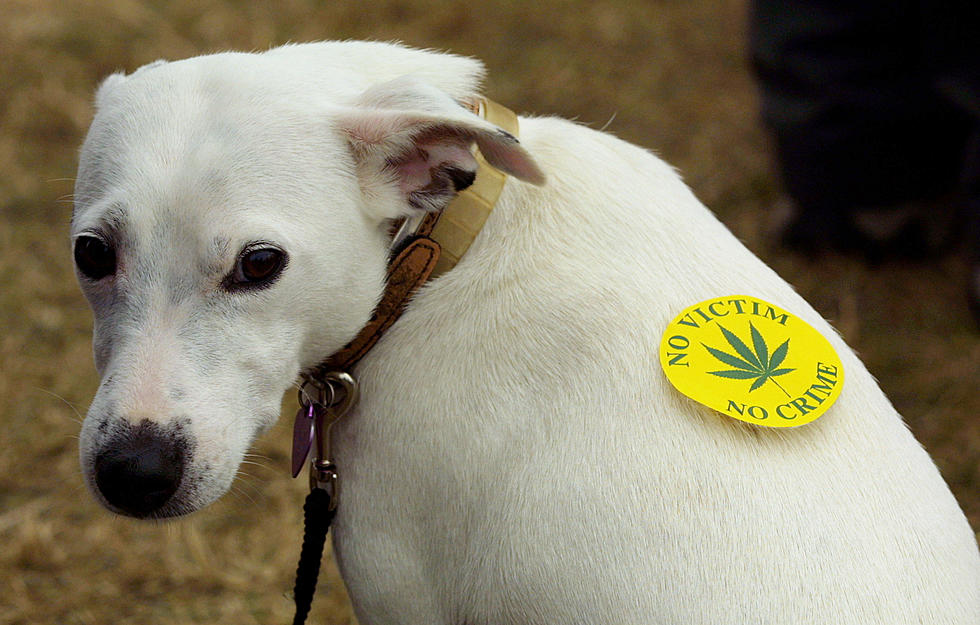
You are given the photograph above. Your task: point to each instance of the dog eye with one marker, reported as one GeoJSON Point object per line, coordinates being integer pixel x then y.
{"type": "Point", "coordinates": [94, 257]}
{"type": "Point", "coordinates": [256, 268]}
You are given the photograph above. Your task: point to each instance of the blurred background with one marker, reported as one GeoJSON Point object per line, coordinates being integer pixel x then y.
{"type": "Point", "coordinates": [671, 75]}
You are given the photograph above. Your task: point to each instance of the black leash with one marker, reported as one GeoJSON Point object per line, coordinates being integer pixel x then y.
{"type": "Point", "coordinates": [317, 516]}
{"type": "Point", "coordinates": [336, 393]}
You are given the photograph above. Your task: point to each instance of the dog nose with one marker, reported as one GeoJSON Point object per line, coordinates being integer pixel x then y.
{"type": "Point", "coordinates": [140, 469]}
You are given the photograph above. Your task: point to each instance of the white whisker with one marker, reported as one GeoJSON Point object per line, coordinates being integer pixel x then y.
{"type": "Point", "coordinates": [608, 123]}
{"type": "Point", "coordinates": [70, 405]}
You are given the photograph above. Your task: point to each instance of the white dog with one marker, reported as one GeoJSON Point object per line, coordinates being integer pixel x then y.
{"type": "Point", "coordinates": [517, 455]}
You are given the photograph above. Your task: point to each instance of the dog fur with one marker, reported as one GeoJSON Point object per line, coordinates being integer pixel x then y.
{"type": "Point", "coordinates": [517, 455]}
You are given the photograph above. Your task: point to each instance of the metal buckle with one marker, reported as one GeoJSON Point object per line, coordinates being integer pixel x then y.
{"type": "Point", "coordinates": [336, 393]}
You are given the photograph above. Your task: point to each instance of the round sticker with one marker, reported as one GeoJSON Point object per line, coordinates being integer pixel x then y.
{"type": "Point", "coordinates": [751, 361]}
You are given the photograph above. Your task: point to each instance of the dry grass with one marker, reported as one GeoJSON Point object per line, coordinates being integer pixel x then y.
{"type": "Point", "coordinates": [670, 75]}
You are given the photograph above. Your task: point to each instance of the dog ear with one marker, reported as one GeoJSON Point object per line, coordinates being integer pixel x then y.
{"type": "Point", "coordinates": [109, 83]}
{"type": "Point", "coordinates": [411, 136]}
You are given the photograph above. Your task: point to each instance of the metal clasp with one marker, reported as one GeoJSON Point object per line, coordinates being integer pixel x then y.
{"type": "Point", "coordinates": [336, 393]}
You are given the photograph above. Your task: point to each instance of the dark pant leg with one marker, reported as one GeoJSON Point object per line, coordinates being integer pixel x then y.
{"type": "Point", "coordinates": [848, 92]}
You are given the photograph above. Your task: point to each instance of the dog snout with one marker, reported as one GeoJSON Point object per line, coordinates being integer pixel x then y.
{"type": "Point", "coordinates": [140, 468]}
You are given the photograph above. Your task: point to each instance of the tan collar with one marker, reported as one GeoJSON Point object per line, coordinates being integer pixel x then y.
{"type": "Point", "coordinates": [463, 219]}
{"type": "Point", "coordinates": [432, 245]}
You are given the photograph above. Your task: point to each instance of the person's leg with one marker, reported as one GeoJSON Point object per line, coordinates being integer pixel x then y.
{"type": "Point", "coordinates": [857, 122]}
{"type": "Point", "coordinates": [971, 210]}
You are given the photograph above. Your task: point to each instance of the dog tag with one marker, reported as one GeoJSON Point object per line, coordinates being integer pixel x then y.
{"type": "Point", "coordinates": [303, 436]}
{"type": "Point", "coordinates": [752, 361]}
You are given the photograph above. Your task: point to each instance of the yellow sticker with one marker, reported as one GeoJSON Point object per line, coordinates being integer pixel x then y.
{"type": "Point", "coordinates": [752, 361]}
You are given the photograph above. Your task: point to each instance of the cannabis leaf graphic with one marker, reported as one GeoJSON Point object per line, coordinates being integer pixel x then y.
{"type": "Point", "coordinates": [748, 364]}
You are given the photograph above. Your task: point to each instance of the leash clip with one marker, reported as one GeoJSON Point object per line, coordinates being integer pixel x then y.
{"type": "Point", "coordinates": [333, 396]}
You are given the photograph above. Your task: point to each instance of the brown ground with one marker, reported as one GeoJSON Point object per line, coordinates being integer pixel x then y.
{"type": "Point", "coordinates": [670, 75]}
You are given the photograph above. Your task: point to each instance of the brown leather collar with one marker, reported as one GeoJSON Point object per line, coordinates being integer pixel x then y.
{"type": "Point", "coordinates": [435, 246]}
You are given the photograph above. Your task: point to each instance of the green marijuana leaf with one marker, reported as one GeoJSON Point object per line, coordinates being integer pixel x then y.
{"type": "Point", "coordinates": [749, 364]}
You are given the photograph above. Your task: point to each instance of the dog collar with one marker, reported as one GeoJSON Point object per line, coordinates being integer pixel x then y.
{"type": "Point", "coordinates": [431, 244]}
{"type": "Point", "coordinates": [456, 227]}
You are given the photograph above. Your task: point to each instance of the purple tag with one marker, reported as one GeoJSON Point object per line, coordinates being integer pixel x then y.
{"type": "Point", "coordinates": [302, 437]}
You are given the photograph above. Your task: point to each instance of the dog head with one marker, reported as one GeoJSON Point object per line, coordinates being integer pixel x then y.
{"type": "Point", "coordinates": [231, 230]}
